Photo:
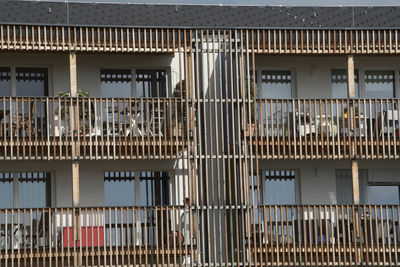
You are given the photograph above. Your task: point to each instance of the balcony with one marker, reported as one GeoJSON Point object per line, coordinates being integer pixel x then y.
{"type": "Point", "coordinates": [325, 129]}
{"type": "Point", "coordinates": [91, 128]}
{"type": "Point", "coordinates": [267, 235]}
{"type": "Point", "coordinates": [101, 236]}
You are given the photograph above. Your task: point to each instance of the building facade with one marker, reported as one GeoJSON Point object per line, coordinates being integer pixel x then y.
{"type": "Point", "coordinates": [198, 135]}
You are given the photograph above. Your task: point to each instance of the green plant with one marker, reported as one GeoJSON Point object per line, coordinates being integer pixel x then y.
{"type": "Point", "coordinates": [177, 89]}
{"type": "Point", "coordinates": [180, 92]}
{"type": "Point", "coordinates": [83, 109]}
{"type": "Point", "coordinates": [253, 96]}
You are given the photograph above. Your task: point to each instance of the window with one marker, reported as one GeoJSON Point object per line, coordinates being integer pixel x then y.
{"type": "Point", "coordinates": [31, 82]}
{"type": "Point", "coordinates": [344, 186]}
{"type": "Point", "coordinates": [5, 82]}
{"type": "Point", "coordinates": [116, 82]}
{"type": "Point", "coordinates": [384, 194]}
{"type": "Point", "coordinates": [151, 83]}
{"type": "Point", "coordinates": [279, 187]}
{"type": "Point", "coordinates": [25, 190]}
{"type": "Point", "coordinates": [119, 188]}
{"type": "Point", "coordinates": [154, 188]}
{"type": "Point", "coordinates": [6, 190]}
{"type": "Point", "coordinates": [276, 84]}
{"type": "Point", "coordinates": [122, 189]}
{"type": "Point", "coordinates": [379, 84]}
{"type": "Point", "coordinates": [339, 83]}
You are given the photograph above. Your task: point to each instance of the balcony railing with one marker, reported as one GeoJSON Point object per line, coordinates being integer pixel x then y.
{"type": "Point", "coordinates": [326, 128]}
{"type": "Point", "coordinates": [99, 236]}
{"type": "Point", "coordinates": [278, 235]}
{"type": "Point", "coordinates": [97, 128]}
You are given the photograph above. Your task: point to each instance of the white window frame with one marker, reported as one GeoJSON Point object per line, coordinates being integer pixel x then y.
{"type": "Point", "coordinates": [293, 77]}
{"type": "Point", "coordinates": [133, 70]}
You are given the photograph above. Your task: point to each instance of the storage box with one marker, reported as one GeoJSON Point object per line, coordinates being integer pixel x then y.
{"type": "Point", "coordinates": [93, 234]}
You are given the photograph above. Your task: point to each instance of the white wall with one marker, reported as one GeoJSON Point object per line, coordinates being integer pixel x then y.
{"type": "Point", "coordinates": [312, 74]}
{"type": "Point", "coordinates": [88, 67]}
{"type": "Point", "coordinates": [317, 178]}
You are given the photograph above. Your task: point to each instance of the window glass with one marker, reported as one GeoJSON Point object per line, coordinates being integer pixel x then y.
{"type": "Point", "coordinates": [344, 186]}
{"type": "Point", "coordinates": [31, 82]}
{"type": "Point", "coordinates": [276, 84]}
{"type": "Point", "coordinates": [384, 194]}
{"type": "Point", "coordinates": [119, 189]}
{"type": "Point", "coordinates": [34, 188]}
{"type": "Point", "coordinates": [339, 83]}
{"type": "Point", "coordinates": [279, 188]}
{"type": "Point", "coordinates": [6, 191]}
{"type": "Point", "coordinates": [379, 84]}
{"type": "Point", "coordinates": [154, 188]}
{"type": "Point", "coordinates": [5, 82]}
{"type": "Point", "coordinates": [116, 82]}
{"type": "Point", "coordinates": [151, 83]}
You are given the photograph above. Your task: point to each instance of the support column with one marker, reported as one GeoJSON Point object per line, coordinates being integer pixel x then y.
{"type": "Point", "coordinates": [73, 91]}
{"type": "Point", "coordinates": [354, 163]}
{"type": "Point", "coordinates": [351, 95]}
{"type": "Point", "coordinates": [72, 74]}
{"type": "Point", "coordinates": [355, 182]}
{"type": "Point", "coordinates": [351, 92]}
{"type": "Point", "coordinates": [73, 113]}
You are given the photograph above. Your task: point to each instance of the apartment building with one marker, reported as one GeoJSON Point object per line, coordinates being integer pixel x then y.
{"type": "Point", "coordinates": [135, 135]}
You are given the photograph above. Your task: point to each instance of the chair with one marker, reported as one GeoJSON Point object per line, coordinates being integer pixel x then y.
{"type": "Point", "coordinates": [24, 122]}
{"type": "Point", "coordinates": [156, 122]}
{"type": "Point", "coordinates": [390, 122]}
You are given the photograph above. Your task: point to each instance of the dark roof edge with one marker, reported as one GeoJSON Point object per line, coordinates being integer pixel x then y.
{"type": "Point", "coordinates": [198, 28]}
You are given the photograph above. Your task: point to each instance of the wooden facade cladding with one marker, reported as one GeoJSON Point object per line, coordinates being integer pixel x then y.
{"type": "Point", "coordinates": [298, 235]}
{"type": "Point", "coordinates": [159, 40]}
{"type": "Point", "coordinates": [109, 128]}
{"type": "Point", "coordinates": [326, 129]}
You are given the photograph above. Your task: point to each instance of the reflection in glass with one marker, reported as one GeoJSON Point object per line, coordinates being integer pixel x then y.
{"type": "Point", "coordinates": [5, 82]}
{"type": "Point", "coordinates": [279, 188]}
{"type": "Point", "coordinates": [6, 191]}
{"type": "Point", "coordinates": [379, 84]}
{"type": "Point", "coordinates": [116, 82]}
{"type": "Point", "coordinates": [151, 83]}
{"type": "Point", "coordinates": [119, 189]}
{"type": "Point", "coordinates": [339, 83]}
{"type": "Point", "coordinates": [384, 194]}
{"type": "Point", "coordinates": [154, 188]}
{"type": "Point", "coordinates": [276, 84]}
{"type": "Point", "coordinates": [31, 82]}
{"type": "Point", "coordinates": [34, 190]}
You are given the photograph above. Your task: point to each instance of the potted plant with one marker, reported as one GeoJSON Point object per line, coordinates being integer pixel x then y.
{"type": "Point", "coordinates": [251, 125]}
{"type": "Point", "coordinates": [180, 92]}
{"type": "Point", "coordinates": [63, 113]}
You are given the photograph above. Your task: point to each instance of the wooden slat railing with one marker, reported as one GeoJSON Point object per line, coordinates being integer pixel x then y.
{"type": "Point", "coordinates": [325, 235]}
{"type": "Point", "coordinates": [326, 128]}
{"type": "Point", "coordinates": [299, 235]}
{"type": "Point", "coordinates": [164, 40]}
{"type": "Point", "coordinates": [96, 236]}
{"type": "Point", "coordinates": [40, 128]}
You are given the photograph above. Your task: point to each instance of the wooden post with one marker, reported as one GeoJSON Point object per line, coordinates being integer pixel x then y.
{"type": "Point", "coordinates": [351, 92]}
{"type": "Point", "coordinates": [75, 184]}
{"type": "Point", "coordinates": [351, 95]}
{"type": "Point", "coordinates": [75, 164]}
{"type": "Point", "coordinates": [72, 74]}
{"type": "Point", "coordinates": [355, 182]}
{"type": "Point", "coordinates": [354, 163]}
